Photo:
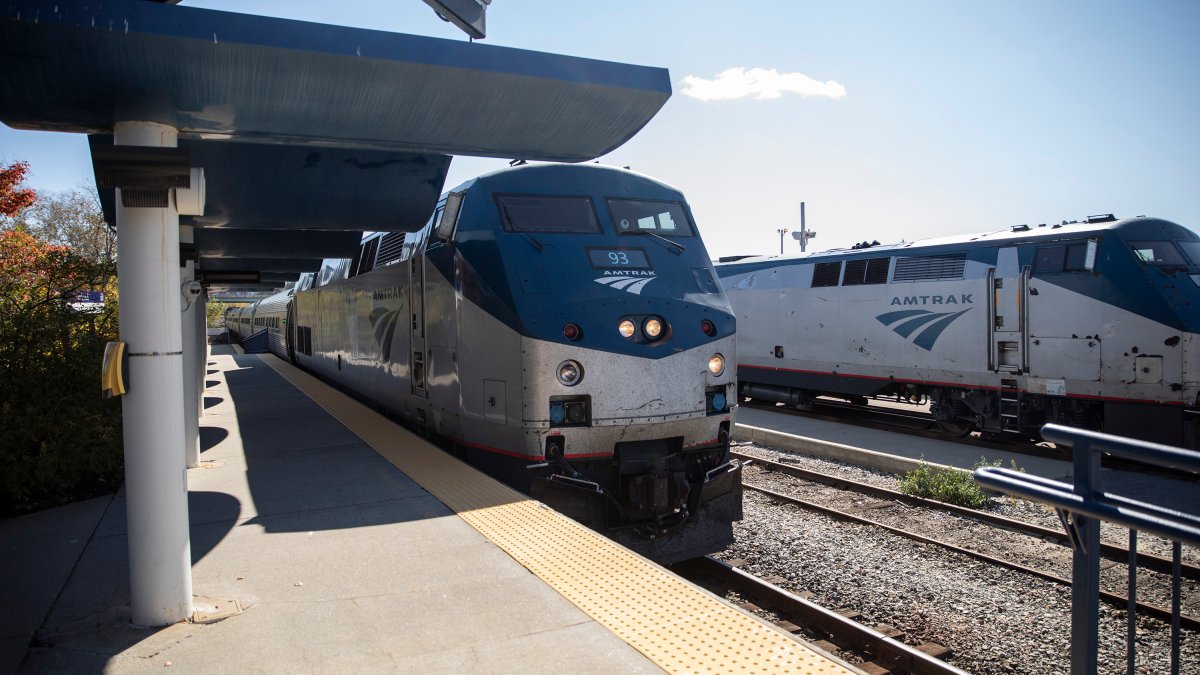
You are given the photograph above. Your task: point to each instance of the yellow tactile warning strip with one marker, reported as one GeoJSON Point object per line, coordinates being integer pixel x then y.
{"type": "Point", "coordinates": [673, 623]}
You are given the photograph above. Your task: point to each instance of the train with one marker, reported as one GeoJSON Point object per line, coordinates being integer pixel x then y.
{"type": "Point", "coordinates": [1089, 323]}
{"type": "Point", "coordinates": [561, 328]}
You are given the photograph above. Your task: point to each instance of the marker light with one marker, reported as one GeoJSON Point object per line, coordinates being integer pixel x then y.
{"type": "Point", "coordinates": [716, 365]}
{"type": "Point", "coordinates": [626, 328]}
{"type": "Point", "coordinates": [718, 402]}
{"type": "Point", "coordinates": [570, 373]}
{"type": "Point", "coordinates": [653, 328]}
{"type": "Point", "coordinates": [572, 332]}
{"type": "Point", "coordinates": [708, 328]}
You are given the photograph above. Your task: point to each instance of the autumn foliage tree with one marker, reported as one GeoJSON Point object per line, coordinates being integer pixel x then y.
{"type": "Point", "coordinates": [14, 198]}
{"type": "Point", "coordinates": [59, 441]}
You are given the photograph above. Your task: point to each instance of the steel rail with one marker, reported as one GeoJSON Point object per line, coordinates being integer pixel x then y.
{"type": "Point", "coordinates": [1161, 613]}
{"type": "Point", "coordinates": [843, 631]}
{"type": "Point", "coordinates": [875, 417]}
{"type": "Point", "coordinates": [1115, 552]}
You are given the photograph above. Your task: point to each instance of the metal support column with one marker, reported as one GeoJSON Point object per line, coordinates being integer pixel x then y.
{"type": "Point", "coordinates": [202, 355]}
{"type": "Point", "coordinates": [160, 576]}
{"type": "Point", "coordinates": [1085, 565]}
{"type": "Point", "coordinates": [191, 350]}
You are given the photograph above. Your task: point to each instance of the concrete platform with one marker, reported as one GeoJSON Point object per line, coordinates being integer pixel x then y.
{"type": "Point", "coordinates": [900, 453]}
{"type": "Point", "coordinates": [337, 560]}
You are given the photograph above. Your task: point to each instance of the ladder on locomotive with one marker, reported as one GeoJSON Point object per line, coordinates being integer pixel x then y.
{"type": "Point", "coordinates": [1010, 407]}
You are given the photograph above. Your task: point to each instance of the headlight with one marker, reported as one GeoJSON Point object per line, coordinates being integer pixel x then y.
{"type": "Point", "coordinates": [653, 328]}
{"type": "Point", "coordinates": [716, 365]}
{"type": "Point", "coordinates": [626, 328]}
{"type": "Point", "coordinates": [570, 373]}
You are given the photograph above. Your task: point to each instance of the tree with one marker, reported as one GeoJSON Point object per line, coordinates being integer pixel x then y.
{"type": "Point", "coordinates": [214, 313]}
{"type": "Point", "coordinates": [13, 198]}
{"type": "Point", "coordinates": [59, 441]}
{"type": "Point", "coordinates": [72, 219]}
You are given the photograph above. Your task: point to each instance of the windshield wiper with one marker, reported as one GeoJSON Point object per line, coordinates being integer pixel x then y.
{"type": "Point", "coordinates": [537, 245]}
{"type": "Point", "coordinates": [676, 247]}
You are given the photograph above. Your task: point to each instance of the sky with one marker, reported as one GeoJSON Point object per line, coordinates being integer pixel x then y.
{"type": "Point", "coordinates": [891, 120]}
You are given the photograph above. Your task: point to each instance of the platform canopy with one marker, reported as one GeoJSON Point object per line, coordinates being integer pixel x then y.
{"type": "Point", "coordinates": [308, 133]}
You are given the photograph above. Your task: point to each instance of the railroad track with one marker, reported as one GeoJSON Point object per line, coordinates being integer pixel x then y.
{"type": "Point", "coordinates": [910, 422]}
{"type": "Point", "coordinates": [914, 423]}
{"type": "Point", "coordinates": [881, 649]}
{"type": "Point", "coordinates": [1118, 553]}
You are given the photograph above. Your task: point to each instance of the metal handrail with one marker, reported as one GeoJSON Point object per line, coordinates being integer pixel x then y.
{"type": "Point", "coordinates": [1135, 515]}
{"type": "Point", "coordinates": [1081, 506]}
{"type": "Point", "coordinates": [1165, 456]}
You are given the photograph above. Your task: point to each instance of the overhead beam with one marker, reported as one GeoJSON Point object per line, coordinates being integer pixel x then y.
{"type": "Point", "coordinates": [238, 243]}
{"type": "Point", "coordinates": [292, 265]}
{"type": "Point", "coordinates": [287, 187]}
{"type": "Point", "coordinates": [221, 75]}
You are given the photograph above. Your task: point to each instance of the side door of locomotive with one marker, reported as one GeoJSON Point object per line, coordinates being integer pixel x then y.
{"type": "Point", "coordinates": [1007, 316]}
{"type": "Point", "coordinates": [418, 346]}
{"type": "Point", "coordinates": [416, 336]}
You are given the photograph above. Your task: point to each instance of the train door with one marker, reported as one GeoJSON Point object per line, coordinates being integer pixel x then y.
{"type": "Point", "coordinates": [418, 353]}
{"type": "Point", "coordinates": [289, 329]}
{"type": "Point", "coordinates": [1009, 283]}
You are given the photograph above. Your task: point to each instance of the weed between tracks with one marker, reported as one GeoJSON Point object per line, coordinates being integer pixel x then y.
{"type": "Point", "coordinates": [950, 486]}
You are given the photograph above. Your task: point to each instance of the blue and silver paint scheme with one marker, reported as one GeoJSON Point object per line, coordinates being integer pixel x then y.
{"type": "Point", "coordinates": [1077, 323]}
{"type": "Point", "coordinates": [461, 330]}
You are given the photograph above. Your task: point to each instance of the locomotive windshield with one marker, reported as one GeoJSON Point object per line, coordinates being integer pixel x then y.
{"type": "Point", "coordinates": [1157, 252]}
{"type": "Point", "coordinates": [1192, 250]}
{"type": "Point", "coordinates": [661, 218]}
{"type": "Point", "coordinates": [536, 213]}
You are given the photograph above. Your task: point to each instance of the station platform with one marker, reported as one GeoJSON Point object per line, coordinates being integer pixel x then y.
{"type": "Point", "coordinates": [325, 538]}
{"type": "Point", "coordinates": [899, 453]}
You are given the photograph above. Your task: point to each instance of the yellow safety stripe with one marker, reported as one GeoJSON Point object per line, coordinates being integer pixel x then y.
{"type": "Point", "coordinates": [678, 626]}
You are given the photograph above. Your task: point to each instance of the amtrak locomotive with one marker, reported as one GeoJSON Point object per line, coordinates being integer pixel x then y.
{"type": "Point", "coordinates": [560, 327]}
{"type": "Point", "coordinates": [1091, 324]}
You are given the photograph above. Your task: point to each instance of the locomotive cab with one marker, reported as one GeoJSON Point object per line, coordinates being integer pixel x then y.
{"type": "Point", "coordinates": [619, 336]}
{"type": "Point", "coordinates": [559, 327]}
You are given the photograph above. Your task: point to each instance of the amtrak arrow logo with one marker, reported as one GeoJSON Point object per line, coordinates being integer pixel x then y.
{"type": "Point", "coordinates": [906, 322]}
{"type": "Point", "coordinates": [384, 323]}
{"type": "Point", "coordinates": [628, 284]}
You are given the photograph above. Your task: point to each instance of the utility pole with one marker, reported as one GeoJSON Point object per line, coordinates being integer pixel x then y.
{"type": "Point", "coordinates": [804, 234]}
{"type": "Point", "coordinates": [782, 231]}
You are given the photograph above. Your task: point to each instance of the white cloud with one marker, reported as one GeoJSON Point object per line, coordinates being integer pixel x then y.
{"type": "Point", "coordinates": [760, 83]}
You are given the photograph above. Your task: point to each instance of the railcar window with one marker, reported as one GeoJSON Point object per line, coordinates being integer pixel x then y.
{"type": "Point", "coordinates": [1157, 252]}
{"type": "Point", "coordinates": [1191, 249]}
{"type": "Point", "coordinates": [1049, 259]}
{"type": "Point", "coordinates": [826, 274]}
{"type": "Point", "coordinates": [662, 218]}
{"type": "Point", "coordinates": [532, 213]}
{"type": "Point", "coordinates": [1060, 258]}
{"type": "Point", "coordinates": [867, 271]}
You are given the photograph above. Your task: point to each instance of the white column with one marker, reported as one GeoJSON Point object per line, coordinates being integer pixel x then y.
{"type": "Point", "coordinates": [191, 351]}
{"type": "Point", "coordinates": [160, 573]}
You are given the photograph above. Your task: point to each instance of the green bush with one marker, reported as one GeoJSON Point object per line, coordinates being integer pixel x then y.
{"type": "Point", "coordinates": [59, 440]}
{"type": "Point", "coordinates": [950, 486]}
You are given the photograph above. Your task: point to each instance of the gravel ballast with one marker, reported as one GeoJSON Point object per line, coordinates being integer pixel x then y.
{"type": "Point", "coordinates": [993, 619]}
